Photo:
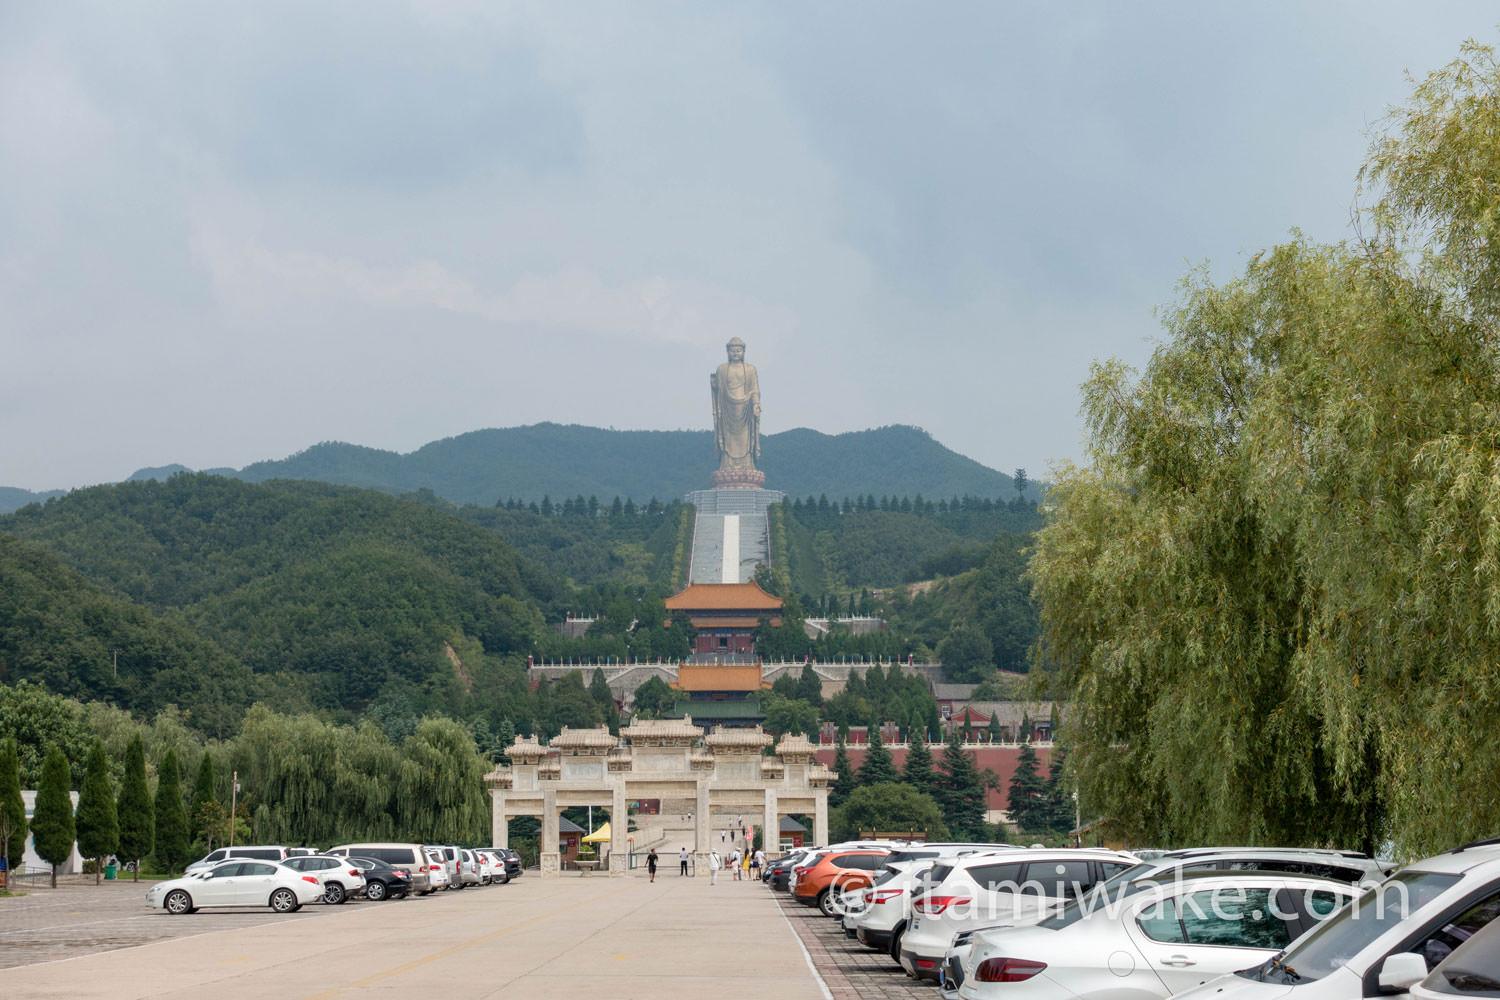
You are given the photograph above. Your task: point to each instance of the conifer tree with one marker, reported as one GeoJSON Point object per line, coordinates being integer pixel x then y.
{"type": "Point", "coordinates": [1026, 802]}
{"type": "Point", "coordinates": [172, 837]}
{"type": "Point", "coordinates": [96, 820]}
{"type": "Point", "coordinates": [12, 808]}
{"type": "Point", "coordinates": [962, 790]}
{"type": "Point", "coordinates": [810, 687]}
{"type": "Point", "coordinates": [918, 771]}
{"type": "Point", "coordinates": [203, 817]}
{"type": "Point", "coordinates": [995, 732]}
{"type": "Point", "coordinates": [137, 824]}
{"type": "Point", "coordinates": [844, 784]}
{"type": "Point", "coordinates": [877, 768]}
{"type": "Point", "coordinates": [1060, 815]}
{"type": "Point", "coordinates": [52, 819]}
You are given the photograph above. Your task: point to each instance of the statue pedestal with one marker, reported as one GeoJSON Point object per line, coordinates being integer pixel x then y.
{"type": "Point", "coordinates": [739, 479]}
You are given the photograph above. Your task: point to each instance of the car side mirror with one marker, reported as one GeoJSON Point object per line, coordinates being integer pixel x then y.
{"type": "Point", "coordinates": [1403, 970]}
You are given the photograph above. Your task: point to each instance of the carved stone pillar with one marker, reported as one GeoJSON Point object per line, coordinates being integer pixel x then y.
{"type": "Point", "coordinates": [551, 858]}
{"type": "Point", "coordinates": [770, 836]}
{"type": "Point", "coordinates": [619, 829]}
{"type": "Point", "coordinates": [702, 833]}
{"type": "Point", "coordinates": [820, 818]}
{"type": "Point", "coordinates": [499, 828]}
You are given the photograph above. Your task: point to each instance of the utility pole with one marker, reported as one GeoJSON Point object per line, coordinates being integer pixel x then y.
{"type": "Point", "coordinates": [115, 674]}
{"type": "Point", "coordinates": [234, 792]}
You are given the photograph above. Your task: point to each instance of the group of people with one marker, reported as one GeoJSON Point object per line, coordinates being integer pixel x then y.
{"type": "Point", "coordinates": [743, 863]}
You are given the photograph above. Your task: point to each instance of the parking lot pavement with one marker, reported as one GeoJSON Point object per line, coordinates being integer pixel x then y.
{"type": "Point", "coordinates": [849, 968]}
{"type": "Point", "coordinates": [618, 937]}
{"type": "Point", "coordinates": [80, 918]}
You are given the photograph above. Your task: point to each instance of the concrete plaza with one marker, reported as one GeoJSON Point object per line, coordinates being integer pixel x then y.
{"type": "Point", "coordinates": [590, 937]}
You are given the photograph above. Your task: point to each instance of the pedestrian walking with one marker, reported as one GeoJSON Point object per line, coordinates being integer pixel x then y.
{"type": "Point", "coordinates": [713, 867]}
{"type": "Point", "coordinates": [651, 864]}
{"type": "Point", "coordinates": [682, 859]}
{"type": "Point", "coordinates": [757, 861]}
{"type": "Point", "coordinates": [734, 860]}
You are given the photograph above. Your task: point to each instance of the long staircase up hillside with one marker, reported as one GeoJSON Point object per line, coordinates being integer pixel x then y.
{"type": "Point", "coordinates": [732, 534]}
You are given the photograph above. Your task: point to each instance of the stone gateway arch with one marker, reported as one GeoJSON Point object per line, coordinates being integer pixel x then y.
{"type": "Point", "coordinates": [723, 773]}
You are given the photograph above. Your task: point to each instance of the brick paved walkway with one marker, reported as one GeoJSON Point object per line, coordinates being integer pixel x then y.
{"type": "Point", "coordinates": [851, 971]}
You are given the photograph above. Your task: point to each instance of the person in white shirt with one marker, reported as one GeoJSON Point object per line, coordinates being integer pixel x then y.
{"type": "Point", "coordinates": [734, 859]}
{"type": "Point", "coordinates": [713, 867]}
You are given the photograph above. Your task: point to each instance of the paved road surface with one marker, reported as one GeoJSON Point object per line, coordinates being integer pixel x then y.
{"type": "Point", "coordinates": [570, 937]}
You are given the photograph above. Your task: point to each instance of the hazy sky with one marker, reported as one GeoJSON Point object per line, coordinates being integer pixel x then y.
{"type": "Point", "coordinates": [228, 232]}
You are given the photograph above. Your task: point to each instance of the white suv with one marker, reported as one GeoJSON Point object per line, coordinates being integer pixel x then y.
{"type": "Point", "coordinates": [1384, 942]}
{"type": "Point", "coordinates": [340, 879]}
{"type": "Point", "coordinates": [1010, 887]}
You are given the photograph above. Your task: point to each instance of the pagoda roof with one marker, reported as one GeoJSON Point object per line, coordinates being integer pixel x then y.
{"type": "Point", "coordinates": [719, 596]}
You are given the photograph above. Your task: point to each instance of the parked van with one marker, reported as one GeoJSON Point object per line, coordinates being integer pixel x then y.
{"type": "Point", "coordinates": [412, 858]}
{"type": "Point", "coordinates": [254, 852]}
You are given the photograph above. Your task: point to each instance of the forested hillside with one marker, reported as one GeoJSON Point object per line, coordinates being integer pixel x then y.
{"type": "Point", "coordinates": [485, 466]}
{"type": "Point", "coordinates": [60, 630]}
{"type": "Point", "coordinates": [332, 597]}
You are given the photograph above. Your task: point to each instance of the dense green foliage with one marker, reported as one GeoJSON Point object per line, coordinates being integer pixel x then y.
{"type": "Point", "coordinates": [67, 633]}
{"type": "Point", "coordinates": [133, 809]}
{"type": "Point", "coordinates": [887, 808]}
{"type": "Point", "coordinates": [844, 781]}
{"type": "Point", "coordinates": [98, 825]}
{"type": "Point", "coordinates": [1275, 596]}
{"type": "Point", "coordinates": [173, 837]}
{"type": "Point", "coordinates": [877, 768]}
{"type": "Point", "coordinates": [961, 791]}
{"type": "Point", "coordinates": [52, 830]}
{"type": "Point", "coordinates": [12, 806]}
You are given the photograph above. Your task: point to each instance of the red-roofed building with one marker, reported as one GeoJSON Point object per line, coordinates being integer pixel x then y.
{"type": "Point", "coordinates": [725, 615]}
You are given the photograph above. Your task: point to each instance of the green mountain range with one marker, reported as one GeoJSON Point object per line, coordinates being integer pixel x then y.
{"type": "Point", "coordinates": [528, 463]}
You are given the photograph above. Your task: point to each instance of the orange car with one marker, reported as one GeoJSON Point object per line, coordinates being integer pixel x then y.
{"type": "Point", "coordinates": [834, 872]}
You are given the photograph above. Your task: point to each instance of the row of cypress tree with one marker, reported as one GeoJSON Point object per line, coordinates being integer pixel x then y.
{"type": "Point", "coordinates": [130, 825]}
{"type": "Point", "coordinates": [957, 787]}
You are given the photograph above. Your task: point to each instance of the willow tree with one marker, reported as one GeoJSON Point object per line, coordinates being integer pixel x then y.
{"type": "Point", "coordinates": [1274, 594]}
{"type": "Point", "coordinates": [440, 789]}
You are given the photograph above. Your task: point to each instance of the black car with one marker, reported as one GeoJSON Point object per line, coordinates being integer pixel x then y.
{"type": "Point", "coordinates": [382, 881]}
{"type": "Point", "coordinates": [779, 871]}
{"type": "Point", "coordinates": [512, 862]}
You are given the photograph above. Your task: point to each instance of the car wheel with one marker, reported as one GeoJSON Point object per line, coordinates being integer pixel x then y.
{"type": "Point", "coordinates": [285, 901]}
{"type": "Point", "coordinates": [178, 902]}
{"type": "Point", "coordinates": [506, 879]}
{"type": "Point", "coordinates": [896, 937]}
{"type": "Point", "coordinates": [375, 891]}
{"type": "Point", "coordinates": [334, 893]}
{"type": "Point", "coordinates": [825, 902]}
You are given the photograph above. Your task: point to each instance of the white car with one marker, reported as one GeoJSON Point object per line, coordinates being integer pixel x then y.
{"type": "Point", "coordinates": [491, 866]}
{"type": "Point", "coordinates": [1385, 941]}
{"type": "Point", "coordinates": [237, 883]}
{"type": "Point", "coordinates": [1015, 887]}
{"type": "Point", "coordinates": [1340, 866]}
{"type": "Point", "coordinates": [438, 868]}
{"type": "Point", "coordinates": [339, 878]}
{"type": "Point", "coordinates": [1473, 970]}
{"type": "Point", "coordinates": [1152, 939]}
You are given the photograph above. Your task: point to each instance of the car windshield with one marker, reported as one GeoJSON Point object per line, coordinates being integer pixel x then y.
{"type": "Point", "coordinates": [1333, 943]}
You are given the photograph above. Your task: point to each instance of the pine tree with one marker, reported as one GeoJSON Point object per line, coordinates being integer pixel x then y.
{"type": "Point", "coordinates": [1026, 803]}
{"type": "Point", "coordinates": [52, 819]}
{"type": "Point", "coordinates": [172, 837]}
{"type": "Point", "coordinates": [810, 687]}
{"type": "Point", "coordinates": [877, 768]}
{"type": "Point", "coordinates": [844, 785]}
{"type": "Point", "coordinates": [995, 732]}
{"type": "Point", "coordinates": [918, 771]}
{"type": "Point", "coordinates": [203, 817]}
{"type": "Point", "coordinates": [12, 808]}
{"type": "Point", "coordinates": [1060, 816]}
{"type": "Point", "coordinates": [96, 820]}
{"type": "Point", "coordinates": [137, 825]}
{"type": "Point", "coordinates": [961, 791]}
{"type": "Point", "coordinates": [605, 699]}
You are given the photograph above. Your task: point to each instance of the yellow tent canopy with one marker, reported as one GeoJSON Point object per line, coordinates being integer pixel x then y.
{"type": "Point", "coordinates": [598, 836]}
